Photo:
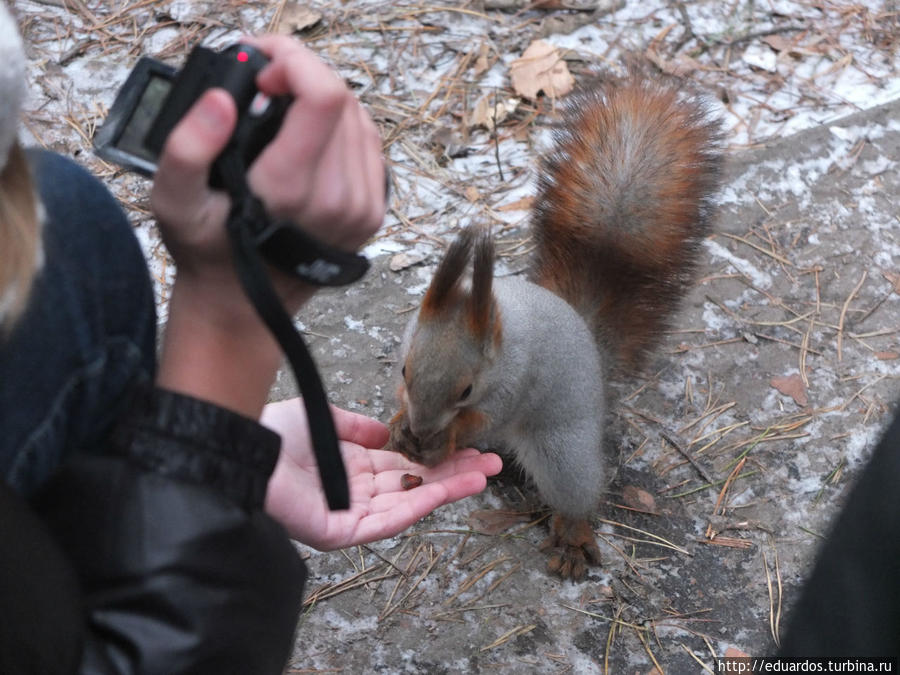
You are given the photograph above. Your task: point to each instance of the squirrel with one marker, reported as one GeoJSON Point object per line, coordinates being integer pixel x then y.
{"type": "Point", "coordinates": [520, 366]}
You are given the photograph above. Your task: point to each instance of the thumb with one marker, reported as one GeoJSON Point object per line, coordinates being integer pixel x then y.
{"type": "Point", "coordinates": [183, 169]}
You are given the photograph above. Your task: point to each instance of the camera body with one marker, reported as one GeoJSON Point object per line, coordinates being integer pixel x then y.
{"type": "Point", "coordinates": [156, 96]}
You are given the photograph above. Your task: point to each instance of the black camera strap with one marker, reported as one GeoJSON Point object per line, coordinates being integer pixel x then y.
{"type": "Point", "coordinates": [246, 216]}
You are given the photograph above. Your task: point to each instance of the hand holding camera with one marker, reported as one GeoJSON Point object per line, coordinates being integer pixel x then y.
{"type": "Point", "coordinates": [338, 191]}
{"type": "Point", "coordinates": [323, 169]}
{"type": "Point", "coordinates": [313, 160]}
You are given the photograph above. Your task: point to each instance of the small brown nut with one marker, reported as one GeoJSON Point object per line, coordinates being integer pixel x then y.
{"type": "Point", "coordinates": [408, 481]}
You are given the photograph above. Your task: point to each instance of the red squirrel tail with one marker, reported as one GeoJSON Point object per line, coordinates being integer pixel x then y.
{"type": "Point", "coordinates": [624, 199]}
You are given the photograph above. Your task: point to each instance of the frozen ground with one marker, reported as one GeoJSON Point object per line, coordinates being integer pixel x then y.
{"type": "Point", "coordinates": [780, 375]}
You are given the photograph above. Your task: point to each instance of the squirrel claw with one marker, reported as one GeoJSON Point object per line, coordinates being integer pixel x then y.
{"type": "Point", "coordinates": [572, 547]}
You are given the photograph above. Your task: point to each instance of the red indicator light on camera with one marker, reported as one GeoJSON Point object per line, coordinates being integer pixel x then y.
{"type": "Point", "coordinates": [243, 57]}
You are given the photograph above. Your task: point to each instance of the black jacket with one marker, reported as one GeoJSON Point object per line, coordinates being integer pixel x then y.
{"type": "Point", "coordinates": [153, 555]}
{"type": "Point", "coordinates": [850, 605]}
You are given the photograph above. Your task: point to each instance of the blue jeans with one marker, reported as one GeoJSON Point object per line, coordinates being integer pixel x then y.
{"type": "Point", "coordinates": [88, 335]}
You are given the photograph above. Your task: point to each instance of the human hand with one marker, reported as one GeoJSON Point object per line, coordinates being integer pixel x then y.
{"type": "Point", "coordinates": [379, 507]}
{"type": "Point", "coordinates": [339, 194]}
{"type": "Point", "coordinates": [323, 171]}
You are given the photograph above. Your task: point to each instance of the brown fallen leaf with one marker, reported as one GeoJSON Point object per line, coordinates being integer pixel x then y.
{"type": "Point", "coordinates": [791, 47]}
{"type": "Point", "coordinates": [735, 653]}
{"type": "Point", "coordinates": [894, 280]}
{"type": "Point", "coordinates": [403, 260]}
{"type": "Point", "coordinates": [495, 521]}
{"type": "Point", "coordinates": [541, 69]}
{"type": "Point", "coordinates": [639, 499]}
{"type": "Point", "coordinates": [296, 18]}
{"type": "Point", "coordinates": [791, 385]}
{"type": "Point", "coordinates": [523, 204]}
{"type": "Point", "coordinates": [887, 356]}
{"type": "Point", "coordinates": [679, 66]}
{"type": "Point", "coordinates": [482, 63]}
{"type": "Point", "coordinates": [490, 111]}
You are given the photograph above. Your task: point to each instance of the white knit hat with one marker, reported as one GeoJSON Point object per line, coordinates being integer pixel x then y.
{"type": "Point", "coordinates": [12, 81]}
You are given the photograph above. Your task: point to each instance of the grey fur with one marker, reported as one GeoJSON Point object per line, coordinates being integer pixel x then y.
{"type": "Point", "coordinates": [542, 392]}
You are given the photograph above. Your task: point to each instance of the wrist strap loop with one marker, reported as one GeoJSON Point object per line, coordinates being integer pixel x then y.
{"type": "Point", "coordinates": [246, 217]}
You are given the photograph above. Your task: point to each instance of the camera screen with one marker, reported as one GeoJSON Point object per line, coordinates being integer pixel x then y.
{"type": "Point", "coordinates": [132, 139]}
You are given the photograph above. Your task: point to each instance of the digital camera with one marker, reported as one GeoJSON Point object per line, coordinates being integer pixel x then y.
{"type": "Point", "coordinates": [153, 100]}
{"type": "Point", "coordinates": [156, 96]}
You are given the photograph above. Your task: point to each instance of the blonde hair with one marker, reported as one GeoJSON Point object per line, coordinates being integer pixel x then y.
{"type": "Point", "coordinates": [20, 244]}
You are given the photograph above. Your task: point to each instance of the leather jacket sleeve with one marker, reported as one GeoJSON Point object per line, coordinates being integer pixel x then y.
{"type": "Point", "coordinates": [180, 569]}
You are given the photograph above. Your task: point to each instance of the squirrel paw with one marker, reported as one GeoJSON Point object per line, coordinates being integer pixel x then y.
{"type": "Point", "coordinates": [572, 547]}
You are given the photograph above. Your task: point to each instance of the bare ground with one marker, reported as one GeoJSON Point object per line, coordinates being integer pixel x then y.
{"type": "Point", "coordinates": [699, 555]}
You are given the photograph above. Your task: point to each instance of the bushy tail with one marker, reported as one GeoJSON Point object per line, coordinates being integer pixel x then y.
{"type": "Point", "coordinates": [624, 200]}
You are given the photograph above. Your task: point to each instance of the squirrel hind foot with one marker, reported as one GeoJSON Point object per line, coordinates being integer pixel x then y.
{"type": "Point", "coordinates": [572, 547]}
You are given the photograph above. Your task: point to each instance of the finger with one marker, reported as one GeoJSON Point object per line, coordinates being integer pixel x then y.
{"type": "Point", "coordinates": [375, 168]}
{"type": "Point", "coordinates": [487, 464]}
{"type": "Point", "coordinates": [342, 205]}
{"type": "Point", "coordinates": [293, 69]}
{"type": "Point", "coordinates": [333, 184]}
{"type": "Point", "coordinates": [309, 126]}
{"type": "Point", "coordinates": [393, 513]}
{"type": "Point", "coordinates": [287, 416]}
{"type": "Point", "coordinates": [359, 429]}
{"type": "Point", "coordinates": [285, 171]}
{"type": "Point", "coordinates": [194, 143]}
{"type": "Point", "coordinates": [386, 460]}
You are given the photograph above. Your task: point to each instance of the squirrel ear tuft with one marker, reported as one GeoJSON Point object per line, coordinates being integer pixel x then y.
{"type": "Point", "coordinates": [481, 302]}
{"type": "Point", "coordinates": [445, 283]}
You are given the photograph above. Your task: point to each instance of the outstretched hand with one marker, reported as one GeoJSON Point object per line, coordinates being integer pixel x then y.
{"type": "Point", "coordinates": [379, 506]}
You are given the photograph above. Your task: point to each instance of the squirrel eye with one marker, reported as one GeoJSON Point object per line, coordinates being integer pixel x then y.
{"type": "Point", "coordinates": [403, 371]}
{"type": "Point", "coordinates": [466, 392]}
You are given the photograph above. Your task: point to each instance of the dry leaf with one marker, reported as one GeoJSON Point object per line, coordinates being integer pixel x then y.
{"type": "Point", "coordinates": [541, 69]}
{"type": "Point", "coordinates": [887, 356]}
{"type": "Point", "coordinates": [403, 260]}
{"type": "Point", "coordinates": [296, 18]}
{"type": "Point", "coordinates": [782, 45]}
{"type": "Point", "coordinates": [448, 141]}
{"type": "Point", "coordinates": [735, 653]}
{"type": "Point", "coordinates": [778, 42]}
{"type": "Point", "coordinates": [680, 66]}
{"type": "Point", "coordinates": [482, 64]}
{"type": "Point", "coordinates": [495, 521]}
{"type": "Point", "coordinates": [894, 280]}
{"type": "Point", "coordinates": [490, 111]}
{"type": "Point", "coordinates": [472, 194]}
{"type": "Point", "coordinates": [791, 385]}
{"type": "Point", "coordinates": [523, 204]}
{"type": "Point", "coordinates": [639, 499]}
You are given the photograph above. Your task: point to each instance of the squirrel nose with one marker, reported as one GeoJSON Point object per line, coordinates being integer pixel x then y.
{"type": "Point", "coordinates": [418, 433]}
{"type": "Point", "coordinates": [418, 430]}
{"type": "Point", "coordinates": [415, 426]}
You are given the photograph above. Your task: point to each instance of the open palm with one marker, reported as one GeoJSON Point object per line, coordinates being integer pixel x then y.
{"type": "Point", "coordinates": [379, 506]}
